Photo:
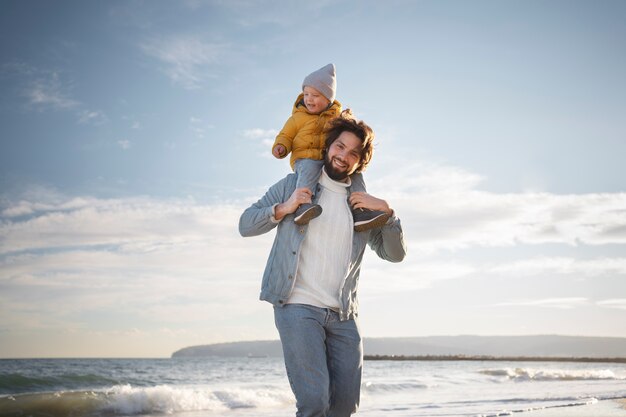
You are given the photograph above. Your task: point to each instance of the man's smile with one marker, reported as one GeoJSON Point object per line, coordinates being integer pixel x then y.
{"type": "Point", "coordinates": [340, 164]}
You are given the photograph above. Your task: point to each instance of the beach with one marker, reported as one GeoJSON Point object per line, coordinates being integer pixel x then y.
{"type": "Point", "coordinates": [603, 408]}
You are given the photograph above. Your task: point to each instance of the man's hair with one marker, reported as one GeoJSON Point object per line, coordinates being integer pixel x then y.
{"type": "Point", "coordinates": [346, 122]}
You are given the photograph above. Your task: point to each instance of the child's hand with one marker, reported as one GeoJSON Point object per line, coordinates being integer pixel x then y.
{"type": "Point", "coordinates": [279, 151]}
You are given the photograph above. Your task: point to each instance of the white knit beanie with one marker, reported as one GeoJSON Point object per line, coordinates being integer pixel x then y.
{"type": "Point", "coordinates": [323, 80]}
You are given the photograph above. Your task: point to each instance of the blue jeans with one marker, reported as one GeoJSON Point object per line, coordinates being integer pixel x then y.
{"type": "Point", "coordinates": [324, 359]}
{"type": "Point", "coordinates": [309, 171]}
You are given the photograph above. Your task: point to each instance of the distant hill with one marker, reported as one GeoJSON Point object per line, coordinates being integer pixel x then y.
{"type": "Point", "coordinates": [544, 346]}
{"type": "Point", "coordinates": [257, 348]}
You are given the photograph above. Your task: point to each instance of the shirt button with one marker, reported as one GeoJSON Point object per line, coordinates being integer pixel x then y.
{"type": "Point", "coordinates": [293, 252]}
{"type": "Point", "coordinates": [290, 276]}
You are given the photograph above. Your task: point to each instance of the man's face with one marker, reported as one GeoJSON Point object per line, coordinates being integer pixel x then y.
{"type": "Point", "coordinates": [343, 156]}
{"type": "Point", "coordinates": [314, 101]}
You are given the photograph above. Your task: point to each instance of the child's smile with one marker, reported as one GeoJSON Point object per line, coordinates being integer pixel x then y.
{"type": "Point", "coordinates": [314, 101]}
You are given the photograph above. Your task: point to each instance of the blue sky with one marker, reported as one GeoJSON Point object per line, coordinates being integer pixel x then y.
{"type": "Point", "coordinates": [133, 134]}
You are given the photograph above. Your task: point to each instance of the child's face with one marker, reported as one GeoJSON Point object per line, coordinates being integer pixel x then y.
{"type": "Point", "coordinates": [314, 101]}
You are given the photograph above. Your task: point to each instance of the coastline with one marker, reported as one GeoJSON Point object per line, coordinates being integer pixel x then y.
{"type": "Point", "coordinates": [492, 358]}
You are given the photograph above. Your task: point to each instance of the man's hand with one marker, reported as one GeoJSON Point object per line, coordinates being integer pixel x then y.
{"type": "Point", "coordinates": [279, 151]}
{"type": "Point", "coordinates": [299, 196]}
{"type": "Point", "coordinates": [360, 199]}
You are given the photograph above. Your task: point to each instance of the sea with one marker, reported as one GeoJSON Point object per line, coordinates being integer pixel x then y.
{"type": "Point", "coordinates": [252, 386]}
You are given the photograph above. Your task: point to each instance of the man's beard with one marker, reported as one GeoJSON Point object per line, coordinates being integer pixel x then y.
{"type": "Point", "coordinates": [332, 172]}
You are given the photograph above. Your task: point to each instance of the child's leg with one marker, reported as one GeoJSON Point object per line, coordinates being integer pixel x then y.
{"type": "Point", "coordinates": [365, 219]}
{"type": "Point", "coordinates": [308, 172]}
{"type": "Point", "coordinates": [358, 184]}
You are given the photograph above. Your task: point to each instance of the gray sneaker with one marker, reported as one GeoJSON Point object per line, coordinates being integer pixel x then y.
{"type": "Point", "coordinates": [307, 212]}
{"type": "Point", "coordinates": [365, 219]}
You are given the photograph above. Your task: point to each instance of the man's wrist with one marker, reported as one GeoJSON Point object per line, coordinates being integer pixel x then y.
{"type": "Point", "coordinates": [281, 210]}
{"type": "Point", "coordinates": [273, 218]}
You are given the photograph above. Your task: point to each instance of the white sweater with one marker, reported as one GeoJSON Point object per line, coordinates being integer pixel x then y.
{"type": "Point", "coordinates": [325, 250]}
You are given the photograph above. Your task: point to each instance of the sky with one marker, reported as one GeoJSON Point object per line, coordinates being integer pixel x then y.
{"type": "Point", "coordinates": [134, 133]}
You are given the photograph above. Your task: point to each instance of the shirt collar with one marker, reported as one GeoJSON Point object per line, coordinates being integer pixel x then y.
{"type": "Point", "coordinates": [336, 186]}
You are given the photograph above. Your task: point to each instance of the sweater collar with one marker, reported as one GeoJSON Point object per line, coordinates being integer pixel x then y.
{"type": "Point", "coordinates": [332, 185]}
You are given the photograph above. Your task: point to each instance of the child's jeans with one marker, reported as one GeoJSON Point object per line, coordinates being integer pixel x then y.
{"type": "Point", "coordinates": [309, 171]}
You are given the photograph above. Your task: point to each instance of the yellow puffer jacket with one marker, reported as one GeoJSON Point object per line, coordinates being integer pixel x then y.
{"type": "Point", "coordinates": [303, 133]}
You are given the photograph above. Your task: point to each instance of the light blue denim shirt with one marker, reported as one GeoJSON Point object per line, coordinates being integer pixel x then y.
{"type": "Point", "coordinates": [282, 264]}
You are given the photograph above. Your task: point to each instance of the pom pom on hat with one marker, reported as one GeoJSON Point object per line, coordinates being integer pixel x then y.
{"type": "Point", "coordinates": [323, 80]}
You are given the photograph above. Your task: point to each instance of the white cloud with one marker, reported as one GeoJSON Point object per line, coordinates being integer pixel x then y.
{"type": "Point", "coordinates": [187, 60]}
{"type": "Point", "coordinates": [409, 275]}
{"type": "Point", "coordinates": [617, 303]}
{"type": "Point", "coordinates": [89, 221]}
{"type": "Point", "coordinates": [92, 117]}
{"type": "Point", "coordinates": [442, 209]}
{"type": "Point", "coordinates": [52, 90]}
{"type": "Point", "coordinates": [421, 178]}
{"type": "Point", "coordinates": [262, 139]}
{"type": "Point", "coordinates": [48, 92]}
{"type": "Point", "coordinates": [157, 261]}
{"type": "Point", "coordinates": [38, 200]}
{"type": "Point", "coordinates": [124, 144]}
{"type": "Point", "coordinates": [562, 265]}
{"type": "Point", "coordinates": [199, 127]}
{"type": "Point", "coordinates": [418, 274]}
{"type": "Point", "coordinates": [259, 134]}
{"type": "Point", "coordinates": [565, 303]}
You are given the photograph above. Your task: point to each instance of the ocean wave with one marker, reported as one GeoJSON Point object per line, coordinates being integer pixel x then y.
{"type": "Point", "coordinates": [524, 374]}
{"type": "Point", "coordinates": [578, 403]}
{"type": "Point", "coordinates": [19, 383]}
{"type": "Point", "coordinates": [127, 400]}
{"type": "Point", "coordinates": [393, 386]}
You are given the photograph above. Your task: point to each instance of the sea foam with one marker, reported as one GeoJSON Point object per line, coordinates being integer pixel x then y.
{"type": "Point", "coordinates": [522, 374]}
{"type": "Point", "coordinates": [129, 400]}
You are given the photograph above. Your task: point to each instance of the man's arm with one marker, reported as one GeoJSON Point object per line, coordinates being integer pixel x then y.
{"type": "Point", "coordinates": [258, 218]}
{"type": "Point", "coordinates": [387, 241]}
{"type": "Point", "coordinates": [265, 214]}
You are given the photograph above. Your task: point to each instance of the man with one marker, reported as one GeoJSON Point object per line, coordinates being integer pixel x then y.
{"type": "Point", "coordinates": [312, 272]}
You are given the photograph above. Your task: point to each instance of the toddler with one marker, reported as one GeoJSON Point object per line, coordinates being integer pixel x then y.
{"type": "Point", "coordinates": [303, 136]}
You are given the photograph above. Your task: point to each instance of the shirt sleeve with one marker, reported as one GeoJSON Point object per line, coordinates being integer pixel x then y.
{"type": "Point", "coordinates": [388, 241]}
{"type": "Point", "coordinates": [273, 216]}
{"type": "Point", "coordinates": [260, 217]}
